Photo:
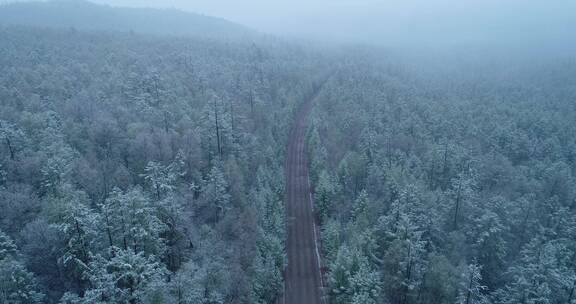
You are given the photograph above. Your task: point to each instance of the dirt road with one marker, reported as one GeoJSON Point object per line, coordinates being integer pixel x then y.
{"type": "Point", "coordinates": [303, 280]}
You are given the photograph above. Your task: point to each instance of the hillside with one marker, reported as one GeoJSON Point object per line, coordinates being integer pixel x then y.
{"type": "Point", "coordinates": [84, 15]}
{"type": "Point", "coordinates": [91, 117]}
{"type": "Point", "coordinates": [198, 162]}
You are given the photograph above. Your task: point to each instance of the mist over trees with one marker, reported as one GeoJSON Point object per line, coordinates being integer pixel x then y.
{"type": "Point", "coordinates": [146, 164]}
{"type": "Point", "coordinates": [143, 170]}
{"type": "Point", "coordinates": [455, 189]}
{"type": "Point", "coordinates": [85, 15]}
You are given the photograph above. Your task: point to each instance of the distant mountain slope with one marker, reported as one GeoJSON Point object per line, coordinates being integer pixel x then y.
{"type": "Point", "coordinates": [84, 15]}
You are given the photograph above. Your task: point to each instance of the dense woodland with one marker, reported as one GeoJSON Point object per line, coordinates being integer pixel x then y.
{"type": "Point", "coordinates": [150, 169]}
{"type": "Point", "coordinates": [143, 170]}
{"type": "Point", "coordinates": [448, 185]}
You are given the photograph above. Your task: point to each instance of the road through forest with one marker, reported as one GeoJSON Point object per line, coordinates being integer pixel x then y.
{"type": "Point", "coordinates": [303, 280]}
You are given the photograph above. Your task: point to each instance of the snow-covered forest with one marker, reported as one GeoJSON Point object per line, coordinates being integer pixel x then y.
{"type": "Point", "coordinates": [143, 164]}
{"type": "Point", "coordinates": [456, 189]}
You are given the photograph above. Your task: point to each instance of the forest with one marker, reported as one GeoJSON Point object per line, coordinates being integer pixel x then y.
{"type": "Point", "coordinates": [142, 165]}
{"type": "Point", "coordinates": [452, 189]}
{"type": "Point", "coordinates": [153, 163]}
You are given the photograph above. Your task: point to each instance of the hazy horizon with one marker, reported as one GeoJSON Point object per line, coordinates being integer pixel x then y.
{"type": "Point", "coordinates": [412, 22]}
{"type": "Point", "coordinates": [362, 152]}
{"type": "Point", "coordinates": [393, 22]}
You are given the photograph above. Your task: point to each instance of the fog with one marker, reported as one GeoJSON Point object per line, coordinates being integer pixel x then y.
{"type": "Point", "coordinates": [394, 22]}
{"type": "Point", "coordinates": [308, 152]}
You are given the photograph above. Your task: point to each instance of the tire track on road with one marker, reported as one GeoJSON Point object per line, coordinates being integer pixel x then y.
{"type": "Point", "coordinates": [303, 281]}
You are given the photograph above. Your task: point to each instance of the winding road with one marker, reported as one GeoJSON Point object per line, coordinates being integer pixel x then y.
{"type": "Point", "coordinates": [303, 279]}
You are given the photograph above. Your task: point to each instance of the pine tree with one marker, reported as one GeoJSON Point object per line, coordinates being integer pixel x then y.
{"type": "Point", "coordinates": [79, 227]}
{"type": "Point", "coordinates": [318, 154]}
{"type": "Point", "coordinates": [161, 178]}
{"type": "Point", "coordinates": [131, 221]}
{"type": "Point", "coordinates": [124, 276]}
{"type": "Point", "coordinates": [7, 246]}
{"type": "Point", "coordinates": [360, 211]}
{"type": "Point", "coordinates": [185, 286]}
{"type": "Point", "coordinates": [365, 284]}
{"type": "Point", "coordinates": [268, 282]}
{"type": "Point", "coordinates": [331, 238]}
{"type": "Point", "coordinates": [543, 274]}
{"type": "Point", "coordinates": [491, 247]}
{"type": "Point", "coordinates": [462, 193]}
{"type": "Point", "coordinates": [325, 194]}
{"type": "Point", "coordinates": [472, 290]}
{"type": "Point", "coordinates": [12, 138]}
{"type": "Point", "coordinates": [17, 284]}
{"type": "Point", "coordinates": [342, 269]}
{"type": "Point", "coordinates": [215, 193]}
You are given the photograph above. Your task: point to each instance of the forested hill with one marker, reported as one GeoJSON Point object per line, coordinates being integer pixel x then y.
{"type": "Point", "coordinates": [84, 15]}
{"type": "Point", "coordinates": [455, 189]}
{"type": "Point", "coordinates": [138, 169]}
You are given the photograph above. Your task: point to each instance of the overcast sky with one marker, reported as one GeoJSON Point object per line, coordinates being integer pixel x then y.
{"type": "Point", "coordinates": [392, 21]}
